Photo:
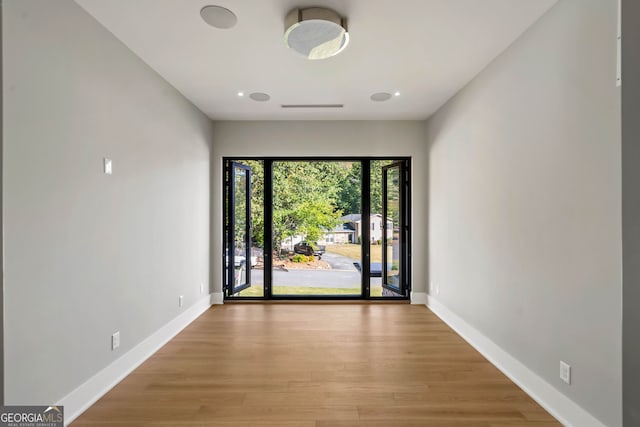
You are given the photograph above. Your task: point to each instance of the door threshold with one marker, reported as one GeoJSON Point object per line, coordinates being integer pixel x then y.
{"type": "Point", "coordinates": [315, 301]}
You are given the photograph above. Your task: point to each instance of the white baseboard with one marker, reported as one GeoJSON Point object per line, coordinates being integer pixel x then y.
{"type": "Point", "coordinates": [217, 298]}
{"type": "Point", "coordinates": [80, 399]}
{"type": "Point", "coordinates": [419, 298]}
{"type": "Point", "coordinates": [557, 404]}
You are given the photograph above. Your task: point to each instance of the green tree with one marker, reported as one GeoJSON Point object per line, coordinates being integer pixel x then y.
{"type": "Point", "coordinates": [257, 201]}
{"type": "Point", "coordinates": [351, 187]}
{"type": "Point", "coordinates": [305, 196]}
{"type": "Point", "coordinates": [350, 190]}
{"type": "Point", "coordinates": [376, 184]}
{"type": "Point", "coordinates": [309, 197]}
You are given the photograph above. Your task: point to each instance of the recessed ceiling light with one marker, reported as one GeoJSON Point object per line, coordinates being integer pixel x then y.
{"type": "Point", "coordinates": [240, 94]}
{"type": "Point", "coordinates": [218, 17]}
{"type": "Point", "coordinates": [316, 32]}
{"type": "Point", "coordinates": [260, 97]}
{"type": "Point", "coordinates": [381, 96]}
{"type": "Point", "coordinates": [396, 93]}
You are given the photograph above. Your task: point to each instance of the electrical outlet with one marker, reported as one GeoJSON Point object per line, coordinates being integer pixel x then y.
{"type": "Point", "coordinates": [115, 340]}
{"type": "Point", "coordinates": [437, 289]}
{"type": "Point", "coordinates": [565, 372]}
{"type": "Point", "coordinates": [180, 300]}
{"type": "Point", "coordinates": [201, 288]}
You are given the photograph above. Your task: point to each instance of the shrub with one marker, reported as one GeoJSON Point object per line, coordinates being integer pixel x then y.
{"type": "Point", "coordinates": [300, 258]}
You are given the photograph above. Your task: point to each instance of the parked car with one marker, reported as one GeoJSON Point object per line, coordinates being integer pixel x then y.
{"type": "Point", "coordinates": [306, 248]}
{"type": "Point", "coordinates": [238, 260]}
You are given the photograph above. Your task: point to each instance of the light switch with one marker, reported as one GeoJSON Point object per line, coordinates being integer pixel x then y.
{"type": "Point", "coordinates": [115, 340]}
{"type": "Point", "coordinates": [565, 372]}
{"type": "Point", "coordinates": [108, 168]}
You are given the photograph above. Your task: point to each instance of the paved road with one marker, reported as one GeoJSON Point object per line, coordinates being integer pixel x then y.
{"type": "Point", "coordinates": [317, 278]}
{"type": "Point", "coordinates": [342, 275]}
{"type": "Point", "coordinates": [339, 262]}
{"type": "Point", "coordinates": [311, 278]}
{"type": "Point", "coordinates": [314, 278]}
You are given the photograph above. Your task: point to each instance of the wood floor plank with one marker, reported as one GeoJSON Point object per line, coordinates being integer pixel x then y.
{"type": "Point", "coordinates": [324, 365]}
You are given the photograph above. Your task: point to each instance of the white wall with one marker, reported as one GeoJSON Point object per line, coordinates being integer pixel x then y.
{"type": "Point", "coordinates": [631, 209]}
{"type": "Point", "coordinates": [323, 138]}
{"type": "Point", "coordinates": [1, 235]}
{"type": "Point", "coordinates": [524, 182]}
{"type": "Point", "coordinates": [88, 254]}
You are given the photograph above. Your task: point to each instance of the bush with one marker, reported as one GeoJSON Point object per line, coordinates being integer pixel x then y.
{"type": "Point", "coordinates": [300, 258]}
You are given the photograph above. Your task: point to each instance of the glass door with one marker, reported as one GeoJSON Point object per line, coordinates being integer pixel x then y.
{"type": "Point", "coordinates": [238, 230]}
{"type": "Point", "coordinates": [394, 235]}
{"type": "Point", "coordinates": [330, 228]}
{"type": "Point", "coordinates": [316, 219]}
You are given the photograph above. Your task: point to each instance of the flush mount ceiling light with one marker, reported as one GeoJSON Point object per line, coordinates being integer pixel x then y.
{"type": "Point", "coordinates": [316, 32]}
{"type": "Point", "coordinates": [218, 17]}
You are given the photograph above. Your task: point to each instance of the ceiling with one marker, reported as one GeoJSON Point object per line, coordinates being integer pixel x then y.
{"type": "Point", "coordinates": [426, 50]}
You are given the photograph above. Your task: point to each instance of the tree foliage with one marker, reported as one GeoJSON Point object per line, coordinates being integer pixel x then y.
{"type": "Point", "coordinates": [257, 201]}
{"type": "Point", "coordinates": [305, 198]}
{"type": "Point", "coordinates": [309, 197]}
{"type": "Point", "coordinates": [350, 190]}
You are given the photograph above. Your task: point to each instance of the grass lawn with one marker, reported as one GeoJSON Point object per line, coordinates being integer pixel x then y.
{"type": "Point", "coordinates": [354, 251]}
{"type": "Point", "coordinates": [257, 291]}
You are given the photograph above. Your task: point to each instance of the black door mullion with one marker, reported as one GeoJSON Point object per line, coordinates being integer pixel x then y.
{"type": "Point", "coordinates": [268, 231]}
{"type": "Point", "coordinates": [385, 229]}
{"type": "Point", "coordinates": [401, 287]}
{"type": "Point", "coordinates": [406, 203]}
{"type": "Point", "coordinates": [365, 210]}
{"type": "Point", "coordinates": [228, 226]}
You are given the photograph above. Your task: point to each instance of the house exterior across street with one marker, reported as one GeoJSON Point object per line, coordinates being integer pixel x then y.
{"type": "Point", "coordinates": [351, 230]}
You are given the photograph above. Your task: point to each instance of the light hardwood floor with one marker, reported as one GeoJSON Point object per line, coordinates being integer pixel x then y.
{"type": "Point", "coordinates": [317, 365]}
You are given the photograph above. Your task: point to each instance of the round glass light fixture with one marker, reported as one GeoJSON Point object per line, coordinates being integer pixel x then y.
{"type": "Point", "coordinates": [316, 32]}
{"type": "Point", "coordinates": [218, 17]}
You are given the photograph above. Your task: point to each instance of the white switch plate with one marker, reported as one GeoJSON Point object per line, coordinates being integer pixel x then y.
{"type": "Point", "coordinates": [180, 300]}
{"type": "Point", "coordinates": [108, 166]}
{"type": "Point", "coordinates": [115, 340]}
{"type": "Point", "coordinates": [619, 47]}
{"type": "Point", "coordinates": [565, 372]}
